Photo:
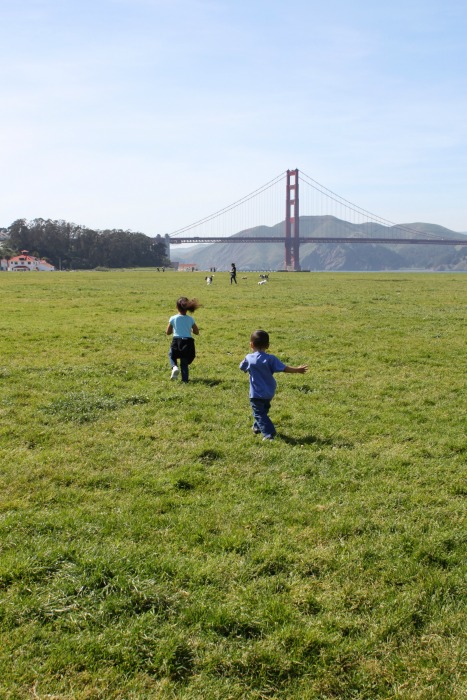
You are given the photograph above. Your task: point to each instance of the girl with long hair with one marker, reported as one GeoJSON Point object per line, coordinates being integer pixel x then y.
{"type": "Point", "coordinates": [183, 345]}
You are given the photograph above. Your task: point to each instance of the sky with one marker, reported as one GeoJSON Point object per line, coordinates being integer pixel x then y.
{"type": "Point", "coordinates": [148, 115]}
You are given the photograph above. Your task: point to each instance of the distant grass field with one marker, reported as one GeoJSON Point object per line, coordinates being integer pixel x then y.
{"type": "Point", "coordinates": [153, 547]}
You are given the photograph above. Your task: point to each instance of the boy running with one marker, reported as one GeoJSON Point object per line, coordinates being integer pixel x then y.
{"type": "Point", "coordinates": [261, 367]}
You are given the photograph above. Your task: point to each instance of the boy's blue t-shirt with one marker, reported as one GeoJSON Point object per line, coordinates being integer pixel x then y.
{"type": "Point", "coordinates": [182, 325]}
{"type": "Point", "coordinates": [261, 367]}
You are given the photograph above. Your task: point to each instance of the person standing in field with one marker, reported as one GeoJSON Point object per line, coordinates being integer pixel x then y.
{"type": "Point", "coordinates": [233, 273]}
{"type": "Point", "coordinates": [261, 367]}
{"type": "Point", "coordinates": [183, 345]}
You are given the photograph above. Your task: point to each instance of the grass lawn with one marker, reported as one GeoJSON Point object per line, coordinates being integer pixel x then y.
{"type": "Point", "coordinates": [151, 546]}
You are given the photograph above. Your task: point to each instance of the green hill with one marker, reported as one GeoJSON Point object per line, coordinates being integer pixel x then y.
{"type": "Point", "coordinates": [345, 257]}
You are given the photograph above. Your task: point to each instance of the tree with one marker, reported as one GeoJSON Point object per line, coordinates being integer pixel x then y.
{"type": "Point", "coordinates": [76, 246]}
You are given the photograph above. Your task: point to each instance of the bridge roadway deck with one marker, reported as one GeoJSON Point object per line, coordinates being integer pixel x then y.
{"type": "Point", "coordinates": [312, 239]}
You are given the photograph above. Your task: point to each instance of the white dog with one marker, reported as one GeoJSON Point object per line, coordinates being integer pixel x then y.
{"type": "Point", "coordinates": [263, 282]}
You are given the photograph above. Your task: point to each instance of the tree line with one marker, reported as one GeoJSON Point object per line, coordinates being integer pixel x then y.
{"type": "Point", "coordinates": [71, 246]}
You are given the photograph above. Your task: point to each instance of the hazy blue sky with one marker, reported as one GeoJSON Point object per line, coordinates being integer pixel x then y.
{"type": "Point", "coordinates": [150, 114]}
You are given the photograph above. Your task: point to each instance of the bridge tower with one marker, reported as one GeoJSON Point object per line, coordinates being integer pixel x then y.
{"type": "Point", "coordinates": [292, 223]}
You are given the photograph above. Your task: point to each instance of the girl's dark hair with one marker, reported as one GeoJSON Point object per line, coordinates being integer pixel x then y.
{"type": "Point", "coordinates": [184, 304]}
{"type": "Point", "coordinates": [260, 339]}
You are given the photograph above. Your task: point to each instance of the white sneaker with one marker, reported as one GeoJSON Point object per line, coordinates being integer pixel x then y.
{"type": "Point", "coordinates": [175, 372]}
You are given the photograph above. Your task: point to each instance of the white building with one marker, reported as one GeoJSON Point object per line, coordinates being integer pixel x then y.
{"type": "Point", "coordinates": [25, 263]}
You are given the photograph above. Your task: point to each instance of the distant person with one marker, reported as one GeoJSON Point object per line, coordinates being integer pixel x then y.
{"type": "Point", "coordinates": [233, 273]}
{"type": "Point", "coordinates": [183, 345]}
{"type": "Point", "coordinates": [261, 367]}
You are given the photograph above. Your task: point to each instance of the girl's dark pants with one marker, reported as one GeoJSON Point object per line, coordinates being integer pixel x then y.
{"type": "Point", "coordinates": [260, 408]}
{"type": "Point", "coordinates": [182, 349]}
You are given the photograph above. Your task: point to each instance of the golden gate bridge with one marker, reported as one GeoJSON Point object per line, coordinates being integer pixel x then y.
{"type": "Point", "coordinates": [302, 193]}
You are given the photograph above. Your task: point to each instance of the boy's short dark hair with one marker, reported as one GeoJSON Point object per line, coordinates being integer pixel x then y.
{"type": "Point", "coordinates": [260, 339]}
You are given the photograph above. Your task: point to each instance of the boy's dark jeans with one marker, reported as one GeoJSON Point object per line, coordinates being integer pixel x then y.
{"type": "Point", "coordinates": [260, 408]}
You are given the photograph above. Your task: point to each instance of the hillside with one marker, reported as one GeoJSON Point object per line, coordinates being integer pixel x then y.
{"type": "Point", "coordinates": [345, 257]}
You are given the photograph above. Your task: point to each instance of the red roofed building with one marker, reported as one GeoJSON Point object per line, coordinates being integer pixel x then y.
{"type": "Point", "coordinates": [28, 263]}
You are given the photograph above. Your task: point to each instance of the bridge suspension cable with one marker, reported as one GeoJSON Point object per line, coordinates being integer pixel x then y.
{"type": "Point", "coordinates": [229, 207]}
{"type": "Point", "coordinates": [373, 218]}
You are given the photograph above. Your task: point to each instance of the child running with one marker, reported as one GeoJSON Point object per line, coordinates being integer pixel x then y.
{"type": "Point", "coordinates": [261, 367]}
{"type": "Point", "coordinates": [183, 345]}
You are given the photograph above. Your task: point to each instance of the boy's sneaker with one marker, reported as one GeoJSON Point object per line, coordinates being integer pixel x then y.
{"type": "Point", "coordinates": [175, 372]}
{"type": "Point", "coordinates": [268, 437]}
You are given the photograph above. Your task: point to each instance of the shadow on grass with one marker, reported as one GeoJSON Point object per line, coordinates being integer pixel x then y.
{"type": "Point", "coordinates": [306, 440]}
{"type": "Point", "coordinates": [207, 382]}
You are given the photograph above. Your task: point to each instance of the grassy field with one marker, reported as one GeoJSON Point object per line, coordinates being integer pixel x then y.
{"type": "Point", "coordinates": [153, 547]}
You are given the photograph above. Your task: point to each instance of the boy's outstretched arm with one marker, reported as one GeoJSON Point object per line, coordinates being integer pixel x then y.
{"type": "Point", "coordinates": [296, 370]}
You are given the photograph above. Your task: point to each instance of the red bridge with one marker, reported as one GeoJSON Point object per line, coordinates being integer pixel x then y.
{"type": "Point", "coordinates": [292, 239]}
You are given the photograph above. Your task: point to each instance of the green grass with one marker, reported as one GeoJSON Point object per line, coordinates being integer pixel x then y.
{"type": "Point", "coordinates": [153, 547]}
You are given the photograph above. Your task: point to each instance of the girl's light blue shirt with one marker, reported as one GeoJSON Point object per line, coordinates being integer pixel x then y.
{"type": "Point", "coordinates": [182, 325]}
